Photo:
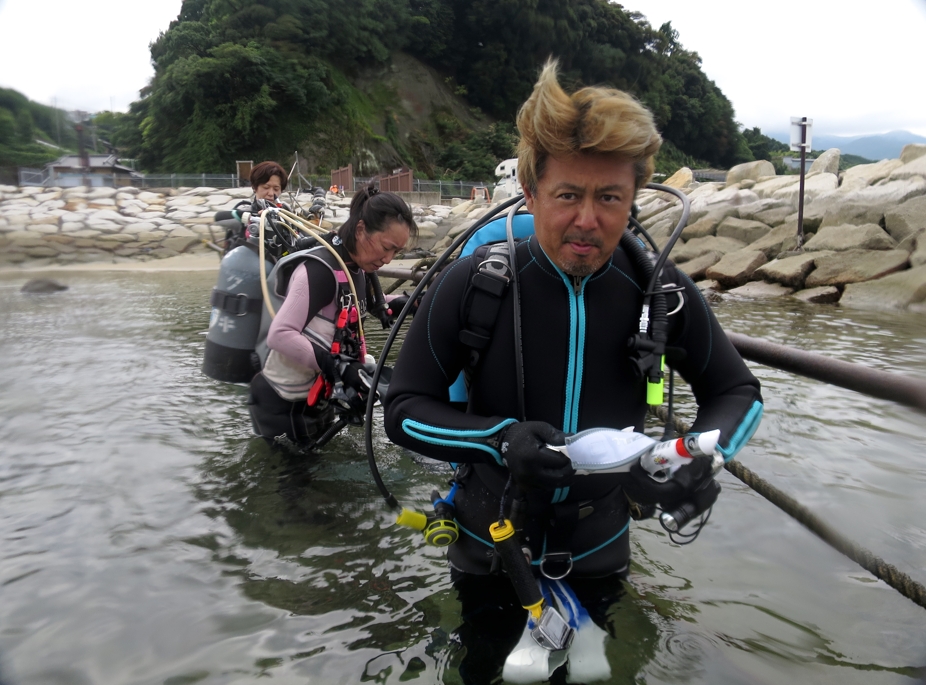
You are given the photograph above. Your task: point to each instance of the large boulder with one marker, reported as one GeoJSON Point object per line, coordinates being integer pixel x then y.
{"type": "Point", "coordinates": [669, 217]}
{"type": "Point", "coordinates": [699, 246]}
{"type": "Point", "coordinates": [918, 255]}
{"type": "Point", "coordinates": [778, 240]}
{"type": "Point", "coordinates": [915, 167]}
{"type": "Point", "coordinates": [766, 187]}
{"type": "Point", "coordinates": [733, 195]}
{"type": "Point", "coordinates": [701, 228]}
{"type": "Point", "coordinates": [825, 294]}
{"type": "Point", "coordinates": [893, 191]}
{"type": "Point", "coordinates": [814, 185]}
{"type": "Point", "coordinates": [704, 190]}
{"type": "Point", "coordinates": [911, 152]}
{"type": "Point", "coordinates": [651, 209]}
{"type": "Point", "coordinates": [742, 229]}
{"type": "Point", "coordinates": [907, 218]}
{"type": "Point", "coordinates": [736, 268]}
{"type": "Point", "coordinates": [827, 163]}
{"type": "Point", "coordinates": [789, 271]}
{"type": "Point", "coordinates": [857, 213]}
{"type": "Point", "coordinates": [680, 179]}
{"type": "Point", "coordinates": [863, 175]}
{"type": "Point", "coordinates": [854, 266]}
{"type": "Point", "coordinates": [751, 170]}
{"type": "Point", "coordinates": [749, 211]}
{"type": "Point", "coordinates": [772, 216]}
{"type": "Point", "coordinates": [896, 291]}
{"type": "Point", "coordinates": [848, 237]}
{"type": "Point", "coordinates": [696, 268]}
{"type": "Point", "coordinates": [761, 290]}
{"type": "Point", "coordinates": [716, 213]}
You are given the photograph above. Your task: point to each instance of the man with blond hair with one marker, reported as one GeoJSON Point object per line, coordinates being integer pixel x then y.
{"type": "Point", "coordinates": [582, 158]}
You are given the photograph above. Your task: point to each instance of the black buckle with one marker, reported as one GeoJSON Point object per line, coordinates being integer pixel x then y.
{"type": "Point", "coordinates": [554, 558]}
{"type": "Point", "coordinates": [236, 304]}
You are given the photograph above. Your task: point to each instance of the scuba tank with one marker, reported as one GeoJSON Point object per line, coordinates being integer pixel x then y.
{"type": "Point", "coordinates": [237, 300]}
{"type": "Point", "coordinates": [234, 323]}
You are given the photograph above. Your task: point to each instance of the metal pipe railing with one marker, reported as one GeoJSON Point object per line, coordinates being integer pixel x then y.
{"type": "Point", "coordinates": [881, 384]}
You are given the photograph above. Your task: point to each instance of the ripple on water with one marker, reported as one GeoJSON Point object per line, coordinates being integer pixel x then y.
{"type": "Point", "coordinates": [145, 536]}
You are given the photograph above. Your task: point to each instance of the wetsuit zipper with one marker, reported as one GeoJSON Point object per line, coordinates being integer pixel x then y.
{"type": "Point", "coordinates": [577, 351]}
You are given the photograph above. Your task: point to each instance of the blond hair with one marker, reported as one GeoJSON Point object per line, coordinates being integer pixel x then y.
{"type": "Point", "coordinates": [595, 119]}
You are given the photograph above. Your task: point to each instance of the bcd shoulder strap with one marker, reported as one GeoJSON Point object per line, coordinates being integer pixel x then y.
{"type": "Point", "coordinates": [487, 289]}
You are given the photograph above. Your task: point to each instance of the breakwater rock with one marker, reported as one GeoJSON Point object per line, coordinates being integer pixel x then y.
{"type": "Point", "coordinates": [864, 231]}
{"type": "Point", "coordinates": [42, 227]}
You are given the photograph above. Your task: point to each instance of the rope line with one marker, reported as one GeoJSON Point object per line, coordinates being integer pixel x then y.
{"type": "Point", "coordinates": [897, 579]}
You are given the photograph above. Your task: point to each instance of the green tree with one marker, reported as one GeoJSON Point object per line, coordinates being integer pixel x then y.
{"type": "Point", "coordinates": [261, 77]}
{"type": "Point", "coordinates": [7, 126]}
{"type": "Point", "coordinates": [25, 127]}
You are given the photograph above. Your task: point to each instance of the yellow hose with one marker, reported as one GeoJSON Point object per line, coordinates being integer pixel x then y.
{"type": "Point", "coordinates": [306, 228]}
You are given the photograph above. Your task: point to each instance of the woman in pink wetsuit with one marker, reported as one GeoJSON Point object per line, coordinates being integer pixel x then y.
{"type": "Point", "coordinates": [319, 313]}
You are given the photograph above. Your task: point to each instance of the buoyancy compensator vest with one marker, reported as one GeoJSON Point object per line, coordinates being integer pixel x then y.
{"type": "Point", "coordinates": [290, 380]}
{"type": "Point", "coordinates": [235, 319]}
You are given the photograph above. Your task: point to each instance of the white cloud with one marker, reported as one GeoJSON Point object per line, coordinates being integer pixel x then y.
{"type": "Point", "coordinates": [86, 54]}
{"type": "Point", "coordinates": [850, 67]}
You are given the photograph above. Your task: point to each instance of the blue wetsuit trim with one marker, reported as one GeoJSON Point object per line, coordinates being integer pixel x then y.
{"type": "Point", "coordinates": [576, 349]}
{"type": "Point", "coordinates": [744, 431]}
{"type": "Point", "coordinates": [429, 434]}
{"type": "Point", "coordinates": [538, 561]}
{"type": "Point", "coordinates": [589, 552]}
{"type": "Point", "coordinates": [474, 536]}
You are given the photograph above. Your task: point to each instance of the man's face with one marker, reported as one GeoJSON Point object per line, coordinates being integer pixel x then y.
{"type": "Point", "coordinates": [581, 208]}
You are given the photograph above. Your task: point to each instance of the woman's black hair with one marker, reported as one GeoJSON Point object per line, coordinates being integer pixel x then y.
{"type": "Point", "coordinates": [375, 209]}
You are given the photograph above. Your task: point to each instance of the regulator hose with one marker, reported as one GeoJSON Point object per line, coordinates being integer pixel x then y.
{"type": "Point", "coordinates": [393, 333]}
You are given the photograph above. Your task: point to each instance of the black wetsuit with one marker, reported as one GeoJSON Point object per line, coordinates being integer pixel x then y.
{"type": "Point", "coordinates": [577, 375]}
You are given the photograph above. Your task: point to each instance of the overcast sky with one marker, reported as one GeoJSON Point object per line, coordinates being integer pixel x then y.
{"type": "Point", "coordinates": [853, 68]}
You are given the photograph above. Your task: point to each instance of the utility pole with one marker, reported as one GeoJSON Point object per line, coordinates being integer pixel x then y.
{"type": "Point", "coordinates": [82, 150]}
{"type": "Point", "coordinates": [57, 122]}
{"type": "Point", "coordinates": [800, 131]}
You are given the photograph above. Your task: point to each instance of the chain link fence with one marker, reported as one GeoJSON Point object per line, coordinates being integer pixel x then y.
{"type": "Point", "coordinates": [448, 189]}
{"type": "Point", "coordinates": [41, 177]}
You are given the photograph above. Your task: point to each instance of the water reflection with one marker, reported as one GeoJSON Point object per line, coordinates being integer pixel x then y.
{"type": "Point", "coordinates": [146, 537]}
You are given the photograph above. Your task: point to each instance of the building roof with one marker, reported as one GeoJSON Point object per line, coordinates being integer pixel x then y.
{"type": "Point", "coordinates": [96, 162]}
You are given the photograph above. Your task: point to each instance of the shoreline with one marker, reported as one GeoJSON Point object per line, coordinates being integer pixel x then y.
{"type": "Point", "coordinates": [197, 261]}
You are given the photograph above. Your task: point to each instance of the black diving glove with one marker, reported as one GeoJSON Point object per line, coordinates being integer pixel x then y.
{"type": "Point", "coordinates": [350, 374]}
{"type": "Point", "coordinates": [687, 484]}
{"type": "Point", "coordinates": [532, 465]}
{"type": "Point", "coordinates": [326, 364]}
{"type": "Point", "coordinates": [396, 305]}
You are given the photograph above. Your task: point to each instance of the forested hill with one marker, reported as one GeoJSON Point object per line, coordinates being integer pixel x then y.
{"type": "Point", "coordinates": [256, 79]}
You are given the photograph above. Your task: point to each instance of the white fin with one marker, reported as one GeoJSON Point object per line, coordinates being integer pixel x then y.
{"type": "Point", "coordinates": [588, 662]}
{"type": "Point", "coordinates": [529, 662]}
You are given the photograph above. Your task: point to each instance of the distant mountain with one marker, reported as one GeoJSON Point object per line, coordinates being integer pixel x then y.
{"type": "Point", "coordinates": [884, 146]}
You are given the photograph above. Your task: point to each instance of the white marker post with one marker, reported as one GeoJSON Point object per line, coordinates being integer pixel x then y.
{"type": "Point", "coordinates": [800, 141]}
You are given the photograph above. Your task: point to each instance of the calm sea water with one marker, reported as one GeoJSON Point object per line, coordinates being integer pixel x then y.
{"type": "Point", "coordinates": [146, 537]}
